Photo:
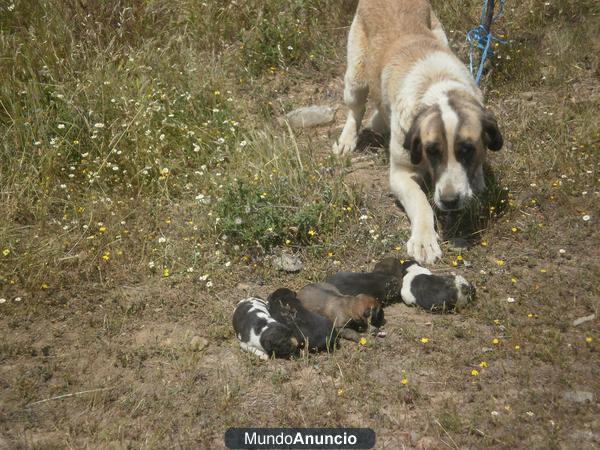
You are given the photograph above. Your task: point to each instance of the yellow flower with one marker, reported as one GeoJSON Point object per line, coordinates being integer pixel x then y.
{"type": "Point", "coordinates": [424, 340]}
{"type": "Point", "coordinates": [513, 280]}
{"type": "Point", "coordinates": [404, 381]}
{"type": "Point", "coordinates": [45, 286]}
{"type": "Point", "coordinates": [589, 339]}
{"type": "Point", "coordinates": [311, 232]}
{"type": "Point", "coordinates": [106, 256]}
{"type": "Point", "coordinates": [217, 93]}
{"type": "Point", "coordinates": [495, 341]}
{"type": "Point", "coordinates": [483, 364]}
{"type": "Point", "coordinates": [6, 252]}
{"type": "Point", "coordinates": [500, 262]}
{"type": "Point", "coordinates": [454, 263]}
{"type": "Point", "coordinates": [459, 258]}
{"type": "Point", "coordinates": [517, 347]}
{"type": "Point", "coordinates": [543, 270]}
{"type": "Point", "coordinates": [340, 392]}
{"type": "Point", "coordinates": [514, 229]}
{"type": "Point", "coordinates": [484, 243]}
{"type": "Point", "coordinates": [497, 321]}
{"type": "Point", "coordinates": [166, 272]}
{"type": "Point", "coordinates": [330, 253]}
{"type": "Point", "coordinates": [474, 372]}
{"type": "Point", "coordinates": [362, 341]}
{"type": "Point", "coordinates": [398, 248]}
{"type": "Point", "coordinates": [102, 229]}
{"type": "Point", "coordinates": [288, 242]}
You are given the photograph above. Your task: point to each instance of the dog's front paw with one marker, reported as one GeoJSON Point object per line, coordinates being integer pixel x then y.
{"type": "Point", "coordinates": [424, 248]}
{"type": "Point", "coordinates": [344, 146]}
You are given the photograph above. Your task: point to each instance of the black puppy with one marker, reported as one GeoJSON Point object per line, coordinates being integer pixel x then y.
{"type": "Point", "coordinates": [313, 331]}
{"type": "Point", "coordinates": [384, 283]}
{"type": "Point", "coordinates": [259, 333]}
{"type": "Point", "coordinates": [393, 281]}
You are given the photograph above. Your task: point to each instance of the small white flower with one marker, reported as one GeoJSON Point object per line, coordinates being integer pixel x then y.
{"type": "Point", "coordinates": [99, 125]}
{"type": "Point", "coordinates": [61, 126]}
{"type": "Point", "coordinates": [220, 140]}
{"type": "Point", "coordinates": [63, 186]}
{"type": "Point", "coordinates": [530, 413]}
{"type": "Point", "coordinates": [2, 300]}
{"type": "Point", "coordinates": [363, 217]}
{"type": "Point", "coordinates": [18, 299]}
{"type": "Point", "coordinates": [494, 413]}
{"type": "Point", "coordinates": [162, 240]}
{"type": "Point", "coordinates": [586, 218]}
{"type": "Point", "coordinates": [209, 284]}
{"type": "Point", "coordinates": [243, 144]}
{"type": "Point", "coordinates": [161, 137]}
{"type": "Point", "coordinates": [562, 251]}
{"type": "Point", "coordinates": [190, 269]}
{"type": "Point", "coordinates": [151, 264]}
{"type": "Point", "coordinates": [204, 277]}
{"type": "Point", "coordinates": [510, 300]}
{"type": "Point", "coordinates": [228, 263]}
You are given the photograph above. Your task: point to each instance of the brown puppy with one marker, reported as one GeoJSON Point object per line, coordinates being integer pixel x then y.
{"type": "Point", "coordinates": [348, 313]}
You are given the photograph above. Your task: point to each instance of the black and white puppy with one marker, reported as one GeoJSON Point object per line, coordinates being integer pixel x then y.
{"type": "Point", "coordinates": [437, 293]}
{"type": "Point", "coordinates": [314, 332]}
{"type": "Point", "coordinates": [259, 333]}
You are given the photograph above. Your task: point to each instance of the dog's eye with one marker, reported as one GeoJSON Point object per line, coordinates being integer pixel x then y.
{"type": "Point", "coordinates": [433, 151]}
{"type": "Point", "coordinates": [465, 150]}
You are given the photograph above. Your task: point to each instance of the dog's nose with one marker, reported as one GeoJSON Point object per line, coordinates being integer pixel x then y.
{"type": "Point", "coordinates": [450, 203]}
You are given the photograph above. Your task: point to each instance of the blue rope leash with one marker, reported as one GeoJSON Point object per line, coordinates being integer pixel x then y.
{"type": "Point", "coordinates": [482, 38]}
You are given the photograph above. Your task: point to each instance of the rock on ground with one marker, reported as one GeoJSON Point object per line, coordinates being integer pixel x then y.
{"type": "Point", "coordinates": [310, 116]}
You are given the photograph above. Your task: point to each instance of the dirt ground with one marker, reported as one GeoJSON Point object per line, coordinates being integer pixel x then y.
{"type": "Point", "coordinates": [154, 363]}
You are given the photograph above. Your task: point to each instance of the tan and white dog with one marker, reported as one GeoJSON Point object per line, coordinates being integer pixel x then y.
{"type": "Point", "coordinates": [425, 96]}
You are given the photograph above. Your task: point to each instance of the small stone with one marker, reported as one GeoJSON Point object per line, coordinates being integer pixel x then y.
{"type": "Point", "coordinates": [579, 396]}
{"type": "Point", "coordinates": [585, 319]}
{"type": "Point", "coordinates": [197, 344]}
{"type": "Point", "coordinates": [309, 116]}
{"type": "Point", "coordinates": [287, 263]}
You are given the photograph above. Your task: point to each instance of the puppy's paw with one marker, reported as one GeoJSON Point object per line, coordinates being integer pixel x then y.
{"type": "Point", "coordinates": [424, 247]}
{"type": "Point", "coordinates": [345, 145]}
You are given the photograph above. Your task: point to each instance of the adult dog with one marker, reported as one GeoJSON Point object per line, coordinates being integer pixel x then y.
{"type": "Point", "coordinates": [439, 129]}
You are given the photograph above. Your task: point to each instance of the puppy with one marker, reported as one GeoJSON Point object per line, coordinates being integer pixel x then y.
{"type": "Point", "coordinates": [349, 314]}
{"type": "Point", "coordinates": [439, 128]}
{"type": "Point", "coordinates": [259, 333]}
{"type": "Point", "coordinates": [384, 283]}
{"type": "Point", "coordinates": [314, 332]}
{"type": "Point", "coordinates": [437, 293]}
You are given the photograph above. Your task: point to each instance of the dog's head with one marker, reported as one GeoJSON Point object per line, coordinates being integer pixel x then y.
{"type": "Point", "coordinates": [451, 138]}
{"type": "Point", "coordinates": [280, 340]}
{"type": "Point", "coordinates": [367, 310]}
{"type": "Point", "coordinates": [390, 266]}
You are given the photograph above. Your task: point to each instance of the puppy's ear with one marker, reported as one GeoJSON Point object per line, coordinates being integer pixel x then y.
{"type": "Point", "coordinates": [412, 141]}
{"type": "Point", "coordinates": [492, 138]}
{"type": "Point", "coordinates": [377, 316]}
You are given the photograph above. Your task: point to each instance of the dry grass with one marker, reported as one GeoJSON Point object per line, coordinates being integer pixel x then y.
{"type": "Point", "coordinates": [143, 176]}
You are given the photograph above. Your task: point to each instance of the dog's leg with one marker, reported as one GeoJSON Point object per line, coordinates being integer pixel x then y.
{"type": "Point", "coordinates": [378, 124]}
{"type": "Point", "coordinates": [355, 90]}
{"type": "Point", "coordinates": [423, 243]}
{"type": "Point", "coordinates": [438, 29]}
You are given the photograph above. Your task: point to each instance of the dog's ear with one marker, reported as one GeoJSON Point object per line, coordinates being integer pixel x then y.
{"type": "Point", "coordinates": [412, 141]}
{"type": "Point", "coordinates": [492, 138]}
